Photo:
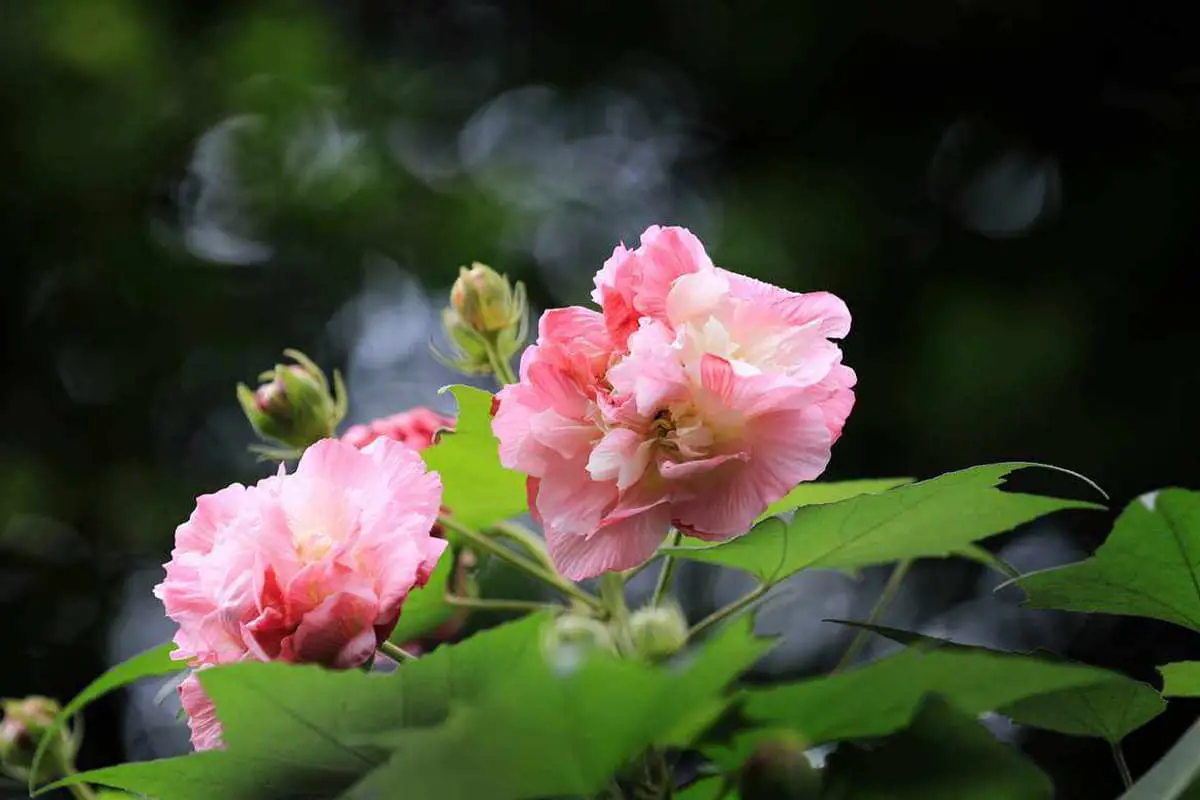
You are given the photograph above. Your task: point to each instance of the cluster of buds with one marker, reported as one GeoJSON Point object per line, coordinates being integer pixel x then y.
{"type": "Point", "coordinates": [23, 726]}
{"type": "Point", "coordinates": [487, 322]}
{"type": "Point", "coordinates": [653, 633]}
{"type": "Point", "coordinates": [294, 406]}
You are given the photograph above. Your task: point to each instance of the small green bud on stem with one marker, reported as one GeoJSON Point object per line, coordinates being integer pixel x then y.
{"type": "Point", "coordinates": [486, 323]}
{"type": "Point", "coordinates": [294, 406]}
{"type": "Point", "coordinates": [658, 631]}
{"type": "Point", "coordinates": [23, 725]}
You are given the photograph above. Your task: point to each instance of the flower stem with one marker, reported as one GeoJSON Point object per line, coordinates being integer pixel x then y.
{"type": "Point", "coordinates": [487, 604]}
{"type": "Point", "coordinates": [728, 611]}
{"type": "Point", "coordinates": [663, 587]}
{"type": "Point", "coordinates": [612, 595]}
{"type": "Point", "coordinates": [885, 599]}
{"type": "Point", "coordinates": [530, 541]}
{"type": "Point", "coordinates": [80, 791]}
{"type": "Point", "coordinates": [483, 542]}
{"type": "Point", "coordinates": [500, 366]}
{"type": "Point", "coordinates": [395, 653]}
{"type": "Point", "coordinates": [1122, 767]}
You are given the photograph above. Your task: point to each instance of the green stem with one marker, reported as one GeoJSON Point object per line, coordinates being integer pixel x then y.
{"type": "Point", "coordinates": [528, 540]}
{"type": "Point", "coordinates": [612, 595]}
{"type": "Point", "coordinates": [487, 604]}
{"type": "Point", "coordinates": [885, 599]}
{"type": "Point", "coordinates": [1122, 767]}
{"type": "Point", "coordinates": [519, 561]}
{"type": "Point", "coordinates": [80, 791]}
{"type": "Point", "coordinates": [395, 653]}
{"type": "Point", "coordinates": [723, 613]}
{"type": "Point", "coordinates": [666, 573]}
{"type": "Point", "coordinates": [500, 366]}
{"type": "Point", "coordinates": [630, 573]}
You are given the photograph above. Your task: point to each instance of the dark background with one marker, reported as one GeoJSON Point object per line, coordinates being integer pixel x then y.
{"type": "Point", "coordinates": [1003, 192]}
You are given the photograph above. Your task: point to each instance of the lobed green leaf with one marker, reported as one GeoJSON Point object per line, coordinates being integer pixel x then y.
{"type": "Point", "coordinates": [882, 697]}
{"type": "Point", "coordinates": [1181, 679]}
{"type": "Point", "coordinates": [943, 754]}
{"type": "Point", "coordinates": [933, 518]}
{"type": "Point", "coordinates": [477, 490]}
{"type": "Point", "coordinates": [1148, 567]}
{"type": "Point", "coordinates": [476, 719]}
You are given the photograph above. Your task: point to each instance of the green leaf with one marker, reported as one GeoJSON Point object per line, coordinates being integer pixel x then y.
{"type": "Point", "coordinates": [477, 490]}
{"type": "Point", "coordinates": [881, 697]}
{"type": "Point", "coordinates": [943, 755]}
{"type": "Point", "coordinates": [933, 518]}
{"type": "Point", "coordinates": [983, 556]}
{"type": "Point", "coordinates": [426, 608]}
{"type": "Point", "coordinates": [809, 494]}
{"type": "Point", "coordinates": [1110, 710]}
{"type": "Point", "coordinates": [1175, 775]}
{"type": "Point", "coordinates": [1148, 567]}
{"type": "Point", "coordinates": [711, 667]}
{"type": "Point", "coordinates": [707, 789]}
{"type": "Point", "coordinates": [1181, 679]}
{"type": "Point", "coordinates": [472, 720]}
{"type": "Point", "coordinates": [593, 722]}
{"type": "Point", "coordinates": [155, 661]}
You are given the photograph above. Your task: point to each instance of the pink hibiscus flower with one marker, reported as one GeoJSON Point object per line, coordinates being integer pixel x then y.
{"type": "Point", "coordinates": [417, 428]}
{"type": "Point", "coordinates": [695, 400]}
{"type": "Point", "coordinates": [309, 567]}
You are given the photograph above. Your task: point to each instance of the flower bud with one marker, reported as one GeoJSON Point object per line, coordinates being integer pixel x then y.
{"type": "Point", "coordinates": [778, 769]}
{"type": "Point", "coordinates": [294, 407]}
{"type": "Point", "coordinates": [658, 631]}
{"type": "Point", "coordinates": [572, 638]}
{"type": "Point", "coordinates": [22, 727]}
{"type": "Point", "coordinates": [487, 320]}
{"type": "Point", "coordinates": [485, 301]}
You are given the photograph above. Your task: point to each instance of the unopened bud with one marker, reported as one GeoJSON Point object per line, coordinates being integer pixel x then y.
{"type": "Point", "coordinates": [778, 769]}
{"type": "Point", "coordinates": [488, 318]}
{"type": "Point", "coordinates": [658, 631]}
{"type": "Point", "coordinates": [572, 638]}
{"type": "Point", "coordinates": [24, 724]}
{"type": "Point", "coordinates": [295, 406]}
{"type": "Point", "coordinates": [485, 301]}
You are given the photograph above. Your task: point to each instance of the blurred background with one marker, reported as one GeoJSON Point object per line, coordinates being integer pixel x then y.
{"type": "Point", "coordinates": [1003, 192]}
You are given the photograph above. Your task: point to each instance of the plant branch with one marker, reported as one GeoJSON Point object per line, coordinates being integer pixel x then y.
{"type": "Point", "coordinates": [1122, 767]}
{"type": "Point", "coordinates": [885, 599]}
{"type": "Point", "coordinates": [728, 611]}
{"type": "Point", "coordinates": [500, 366]}
{"type": "Point", "coordinates": [486, 543]}
{"type": "Point", "coordinates": [663, 586]}
{"type": "Point", "coordinates": [487, 604]}
{"type": "Point", "coordinates": [527, 539]}
{"type": "Point", "coordinates": [397, 654]}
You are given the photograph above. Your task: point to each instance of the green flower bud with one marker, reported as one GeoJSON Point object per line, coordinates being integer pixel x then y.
{"type": "Point", "coordinates": [658, 631]}
{"type": "Point", "coordinates": [487, 321]}
{"type": "Point", "coordinates": [294, 407]}
{"type": "Point", "coordinates": [22, 727]}
{"type": "Point", "coordinates": [778, 769]}
{"type": "Point", "coordinates": [572, 638]}
{"type": "Point", "coordinates": [485, 301]}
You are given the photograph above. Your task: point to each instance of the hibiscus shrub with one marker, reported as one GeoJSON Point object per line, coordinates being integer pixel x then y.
{"type": "Point", "coordinates": [321, 611]}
